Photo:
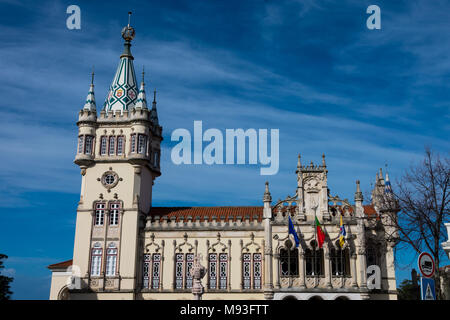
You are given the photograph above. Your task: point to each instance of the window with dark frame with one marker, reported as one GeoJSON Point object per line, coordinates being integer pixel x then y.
{"type": "Point", "coordinates": [99, 213]}
{"type": "Point", "coordinates": [96, 261]}
{"type": "Point", "coordinates": [120, 140]}
{"type": "Point", "coordinates": [103, 145]}
{"type": "Point", "coordinates": [314, 261]}
{"type": "Point", "coordinates": [340, 261]}
{"type": "Point", "coordinates": [289, 262]}
{"type": "Point", "coordinates": [112, 143]}
{"type": "Point", "coordinates": [111, 260]}
{"type": "Point", "coordinates": [133, 143]}
{"type": "Point", "coordinates": [114, 211]}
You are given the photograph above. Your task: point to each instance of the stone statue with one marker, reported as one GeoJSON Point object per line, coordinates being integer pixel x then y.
{"type": "Point", "coordinates": [197, 272]}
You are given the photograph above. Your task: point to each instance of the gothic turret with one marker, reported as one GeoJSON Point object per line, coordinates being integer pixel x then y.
{"type": "Point", "coordinates": [90, 99]}
{"type": "Point", "coordinates": [141, 102]}
{"type": "Point", "coordinates": [154, 113]}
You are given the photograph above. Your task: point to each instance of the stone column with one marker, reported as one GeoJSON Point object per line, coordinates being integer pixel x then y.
{"type": "Point", "coordinates": [301, 267]}
{"type": "Point", "coordinates": [327, 263]}
{"type": "Point", "coordinates": [353, 269]}
{"type": "Point", "coordinates": [267, 216]}
{"type": "Point", "coordinates": [277, 271]}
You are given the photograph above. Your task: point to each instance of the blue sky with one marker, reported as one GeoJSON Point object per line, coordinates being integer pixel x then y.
{"type": "Point", "coordinates": [309, 68]}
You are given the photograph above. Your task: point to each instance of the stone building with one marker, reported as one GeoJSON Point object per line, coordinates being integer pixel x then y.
{"type": "Point", "coordinates": [126, 249]}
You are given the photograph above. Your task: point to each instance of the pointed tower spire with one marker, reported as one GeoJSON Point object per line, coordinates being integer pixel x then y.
{"type": "Point", "coordinates": [141, 102]}
{"type": "Point", "coordinates": [358, 193]}
{"type": "Point", "coordinates": [123, 90]}
{"type": "Point", "coordinates": [154, 112]}
{"type": "Point", "coordinates": [90, 99]}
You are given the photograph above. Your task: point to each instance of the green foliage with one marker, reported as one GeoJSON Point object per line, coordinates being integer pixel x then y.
{"type": "Point", "coordinates": [5, 292]}
{"type": "Point", "coordinates": [408, 290]}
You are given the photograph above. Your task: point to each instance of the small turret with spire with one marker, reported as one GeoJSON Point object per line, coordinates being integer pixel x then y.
{"type": "Point", "coordinates": [90, 99]}
{"type": "Point", "coordinates": [154, 112]}
{"type": "Point", "coordinates": [141, 102]}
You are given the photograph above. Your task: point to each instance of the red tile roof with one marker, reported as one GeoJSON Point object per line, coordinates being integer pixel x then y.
{"type": "Point", "coordinates": [60, 265]}
{"type": "Point", "coordinates": [225, 213]}
{"type": "Point", "coordinates": [206, 213]}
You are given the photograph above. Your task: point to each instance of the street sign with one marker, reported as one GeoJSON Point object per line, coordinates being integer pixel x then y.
{"type": "Point", "coordinates": [426, 264]}
{"type": "Point", "coordinates": [427, 289]}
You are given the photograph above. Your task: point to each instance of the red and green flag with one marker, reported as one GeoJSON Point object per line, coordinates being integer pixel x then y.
{"type": "Point", "coordinates": [320, 233]}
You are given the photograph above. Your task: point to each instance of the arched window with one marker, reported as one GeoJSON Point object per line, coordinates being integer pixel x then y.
{"type": "Point", "coordinates": [314, 260]}
{"type": "Point", "coordinates": [111, 260]}
{"type": "Point", "coordinates": [289, 260]}
{"type": "Point", "coordinates": [340, 261]}
{"type": "Point", "coordinates": [96, 260]}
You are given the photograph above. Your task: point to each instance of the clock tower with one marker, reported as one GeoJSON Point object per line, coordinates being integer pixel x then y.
{"type": "Point", "coordinates": [118, 152]}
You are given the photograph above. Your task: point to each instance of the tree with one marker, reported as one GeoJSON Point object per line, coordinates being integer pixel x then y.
{"type": "Point", "coordinates": [408, 290]}
{"type": "Point", "coordinates": [5, 292]}
{"type": "Point", "coordinates": [415, 213]}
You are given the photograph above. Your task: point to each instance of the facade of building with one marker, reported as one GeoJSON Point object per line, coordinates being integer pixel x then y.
{"type": "Point", "coordinates": [126, 249]}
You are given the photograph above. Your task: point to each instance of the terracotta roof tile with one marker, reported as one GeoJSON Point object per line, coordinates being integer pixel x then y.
{"type": "Point", "coordinates": [60, 265]}
{"type": "Point", "coordinates": [206, 213]}
{"type": "Point", "coordinates": [369, 210]}
{"type": "Point", "coordinates": [228, 213]}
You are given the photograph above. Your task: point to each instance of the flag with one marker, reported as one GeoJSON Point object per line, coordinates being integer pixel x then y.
{"type": "Point", "coordinates": [293, 232]}
{"type": "Point", "coordinates": [320, 234]}
{"type": "Point", "coordinates": [342, 234]}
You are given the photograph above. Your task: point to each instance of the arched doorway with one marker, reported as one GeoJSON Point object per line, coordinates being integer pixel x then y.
{"type": "Point", "coordinates": [289, 298]}
{"type": "Point", "coordinates": [342, 298]}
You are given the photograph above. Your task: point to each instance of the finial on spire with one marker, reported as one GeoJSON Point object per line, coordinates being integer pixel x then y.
{"type": "Point", "coordinates": [299, 163]}
{"type": "Point", "coordinates": [154, 96]}
{"type": "Point", "coordinates": [92, 76]}
{"type": "Point", "coordinates": [128, 31]}
{"type": "Point", "coordinates": [143, 73]}
{"type": "Point", "coordinates": [358, 193]}
{"type": "Point", "coordinates": [267, 197]}
{"type": "Point", "coordinates": [323, 160]}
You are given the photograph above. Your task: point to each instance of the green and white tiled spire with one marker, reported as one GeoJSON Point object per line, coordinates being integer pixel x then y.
{"type": "Point", "coordinates": [90, 99]}
{"type": "Point", "coordinates": [123, 91]}
{"type": "Point", "coordinates": [141, 102]}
